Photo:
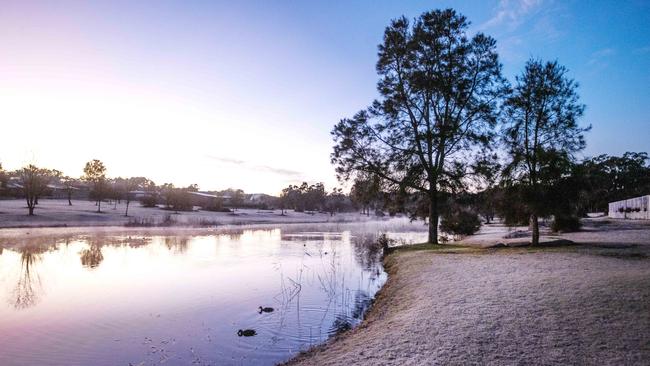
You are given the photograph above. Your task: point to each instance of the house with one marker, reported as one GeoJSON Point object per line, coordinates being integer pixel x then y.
{"type": "Point", "coordinates": [139, 194]}
{"type": "Point", "coordinates": [261, 200]}
{"type": "Point", "coordinates": [637, 208]}
{"type": "Point", "coordinates": [60, 191]}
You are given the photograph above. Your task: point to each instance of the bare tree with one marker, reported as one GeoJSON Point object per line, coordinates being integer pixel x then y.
{"type": "Point", "coordinates": [34, 181]}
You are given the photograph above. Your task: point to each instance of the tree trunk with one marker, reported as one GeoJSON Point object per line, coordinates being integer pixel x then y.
{"type": "Point", "coordinates": [69, 198]}
{"type": "Point", "coordinates": [30, 204]}
{"type": "Point", "coordinates": [433, 217]}
{"type": "Point", "coordinates": [126, 214]}
{"type": "Point", "coordinates": [99, 206]}
{"type": "Point", "coordinates": [534, 223]}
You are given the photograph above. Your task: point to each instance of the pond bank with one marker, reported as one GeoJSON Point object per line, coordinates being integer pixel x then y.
{"type": "Point", "coordinates": [57, 213]}
{"type": "Point", "coordinates": [567, 305]}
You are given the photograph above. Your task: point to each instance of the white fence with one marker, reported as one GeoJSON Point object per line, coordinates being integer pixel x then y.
{"type": "Point", "coordinates": [637, 208]}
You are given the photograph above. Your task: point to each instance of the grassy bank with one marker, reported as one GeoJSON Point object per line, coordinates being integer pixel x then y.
{"type": "Point", "coordinates": [584, 304]}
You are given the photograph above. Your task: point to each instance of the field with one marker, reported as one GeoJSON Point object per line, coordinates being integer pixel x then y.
{"type": "Point", "coordinates": [53, 213]}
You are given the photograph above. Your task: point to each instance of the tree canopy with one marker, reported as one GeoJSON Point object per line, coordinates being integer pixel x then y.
{"type": "Point", "coordinates": [542, 134]}
{"type": "Point", "coordinates": [95, 173]}
{"type": "Point", "coordinates": [440, 91]}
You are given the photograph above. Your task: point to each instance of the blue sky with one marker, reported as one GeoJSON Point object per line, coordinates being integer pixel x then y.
{"type": "Point", "coordinates": [244, 94]}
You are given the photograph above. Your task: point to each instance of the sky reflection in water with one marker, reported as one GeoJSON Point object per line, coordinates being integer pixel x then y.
{"type": "Point", "coordinates": [107, 300]}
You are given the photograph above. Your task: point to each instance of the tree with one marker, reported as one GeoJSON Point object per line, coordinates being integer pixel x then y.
{"type": "Point", "coordinates": [116, 190]}
{"type": "Point", "coordinates": [3, 179]}
{"type": "Point", "coordinates": [314, 196]}
{"type": "Point", "coordinates": [613, 178]}
{"type": "Point", "coordinates": [291, 198]}
{"type": "Point", "coordinates": [177, 199]}
{"type": "Point", "coordinates": [34, 181]}
{"type": "Point", "coordinates": [68, 183]}
{"type": "Point", "coordinates": [236, 198]}
{"type": "Point", "coordinates": [284, 200]}
{"type": "Point", "coordinates": [167, 191]}
{"type": "Point", "coordinates": [132, 184]}
{"type": "Point", "coordinates": [541, 133]}
{"type": "Point", "coordinates": [439, 95]}
{"type": "Point", "coordinates": [488, 172]}
{"type": "Point", "coordinates": [335, 201]}
{"type": "Point", "coordinates": [365, 192]}
{"type": "Point", "coordinates": [95, 173]}
{"type": "Point", "coordinates": [302, 198]}
{"type": "Point", "coordinates": [150, 198]}
{"type": "Point", "coordinates": [459, 221]}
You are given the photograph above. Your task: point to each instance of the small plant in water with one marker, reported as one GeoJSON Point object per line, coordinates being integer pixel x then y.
{"type": "Point", "coordinates": [384, 241]}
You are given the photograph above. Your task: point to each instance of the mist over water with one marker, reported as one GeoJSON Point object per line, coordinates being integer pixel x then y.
{"type": "Point", "coordinates": [120, 299]}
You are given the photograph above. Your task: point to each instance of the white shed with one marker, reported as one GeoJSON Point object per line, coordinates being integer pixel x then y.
{"type": "Point", "coordinates": [637, 208]}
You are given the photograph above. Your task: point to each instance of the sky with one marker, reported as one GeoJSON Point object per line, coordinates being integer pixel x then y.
{"type": "Point", "coordinates": [244, 94]}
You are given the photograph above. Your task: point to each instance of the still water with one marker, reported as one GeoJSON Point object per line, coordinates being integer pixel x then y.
{"type": "Point", "coordinates": [180, 300]}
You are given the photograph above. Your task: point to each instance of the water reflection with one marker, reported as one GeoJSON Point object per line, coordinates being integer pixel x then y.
{"type": "Point", "coordinates": [92, 256]}
{"type": "Point", "coordinates": [142, 299]}
{"type": "Point", "coordinates": [28, 287]}
{"type": "Point", "coordinates": [176, 244]}
{"type": "Point", "coordinates": [367, 250]}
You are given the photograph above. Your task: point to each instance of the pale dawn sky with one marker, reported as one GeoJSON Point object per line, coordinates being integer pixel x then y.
{"type": "Point", "coordinates": [244, 94]}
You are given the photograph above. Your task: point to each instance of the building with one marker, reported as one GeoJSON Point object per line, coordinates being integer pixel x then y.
{"type": "Point", "coordinates": [206, 200]}
{"type": "Point", "coordinates": [637, 208]}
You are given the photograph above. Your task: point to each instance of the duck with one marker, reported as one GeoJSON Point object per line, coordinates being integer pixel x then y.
{"type": "Point", "coordinates": [246, 332]}
{"type": "Point", "coordinates": [265, 310]}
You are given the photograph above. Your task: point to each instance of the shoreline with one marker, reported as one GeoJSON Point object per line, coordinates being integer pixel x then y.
{"type": "Point", "coordinates": [533, 305]}
{"type": "Point", "coordinates": [55, 212]}
{"type": "Point", "coordinates": [55, 216]}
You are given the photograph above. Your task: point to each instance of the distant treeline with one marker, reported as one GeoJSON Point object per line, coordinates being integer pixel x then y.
{"type": "Point", "coordinates": [585, 186]}
{"type": "Point", "coordinates": [32, 182]}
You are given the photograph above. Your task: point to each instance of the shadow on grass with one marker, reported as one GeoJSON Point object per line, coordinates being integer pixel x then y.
{"type": "Point", "coordinates": [438, 248]}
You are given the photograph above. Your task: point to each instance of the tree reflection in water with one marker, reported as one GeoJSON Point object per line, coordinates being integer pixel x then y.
{"type": "Point", "coordinates": [367, 250]}
{"type": "Point", "coordinates": [92, 256]}
{"type": "Point", "coordinates": [176, 244]}
{"type": "Point", "coordinates": [27, 291]}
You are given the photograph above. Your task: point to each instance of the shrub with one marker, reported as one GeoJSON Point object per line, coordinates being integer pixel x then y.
{"type": "Point", "coordinates": [178, 200]}
{"type": "Point", "coordinates": [628, 209]}
{"type": "Point", "coordinates": [216, 208]}
{"type": "Point", "coordinates": [565, 223]}
{"type": "Point", "coordinates": [460, 222]}
{"type": "Point", "coordinates": [149, 201]}
{"type": "Point", "coordinates": [384, 241]}
{"type": "Point", "coordinates": [167, 220]}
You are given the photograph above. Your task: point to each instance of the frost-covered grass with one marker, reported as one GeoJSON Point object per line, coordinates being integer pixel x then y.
{"type": "Point", "coordinates": [581, 304]}
{"type": "Point", "coordinates": [53, 213]}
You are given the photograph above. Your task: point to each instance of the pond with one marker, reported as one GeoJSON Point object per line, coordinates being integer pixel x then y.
{"type": "Point", "coordinates": [134, 299]}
